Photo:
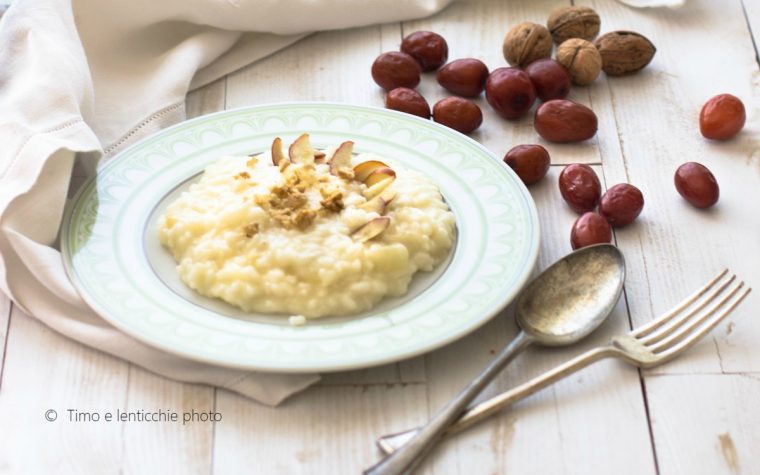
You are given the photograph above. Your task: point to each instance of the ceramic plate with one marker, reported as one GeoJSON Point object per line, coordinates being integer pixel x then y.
{"type": "Point", "coordinates": [111, 250]}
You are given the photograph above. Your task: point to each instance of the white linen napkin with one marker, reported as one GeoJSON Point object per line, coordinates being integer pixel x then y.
{"type": "Point", "coordinates": [81, 80]}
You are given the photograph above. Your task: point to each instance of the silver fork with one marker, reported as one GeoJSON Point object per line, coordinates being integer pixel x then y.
{"type": "Point", "coordinates": [646, 346]}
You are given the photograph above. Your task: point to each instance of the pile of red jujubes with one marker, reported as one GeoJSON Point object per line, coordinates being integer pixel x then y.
{"type": "Point", "coordinates": [512, 91]}
{"type": "Point", "coordinates": [581, 189]}
{"type": "Point", "coordinates": [399, 72]}
{"type": "Point", "coordinates": [509, 90]}
{"type": "Point", "coordinates": [721, 118]}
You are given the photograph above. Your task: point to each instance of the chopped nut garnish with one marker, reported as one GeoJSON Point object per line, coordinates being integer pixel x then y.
{"type": "Point", "coordinates": [287, 198]}
{"type": "Point", "coordinates": [296, 182]}
{"type": "Point", "coordinates": [252, 161]}
{"type": "Point", "coordinates": [242, 175]}
{"type": "Point", "coordinates": [287, 203]}
{"type": "Point", "coordinates": [333, 199]}
{"type": "Point", "coordinates": [303, 218]}
{"type": "Point", "coordinates": [251, 229]}
{"type": "Point", "coordinates": [346, 173]}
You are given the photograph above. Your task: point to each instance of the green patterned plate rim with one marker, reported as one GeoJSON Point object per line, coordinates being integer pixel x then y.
{"type": "Point", "coordinates": [108, 245]}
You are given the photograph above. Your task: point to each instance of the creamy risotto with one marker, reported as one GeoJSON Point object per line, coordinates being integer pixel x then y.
{"type": "Point", "coordinates": [303, 232]}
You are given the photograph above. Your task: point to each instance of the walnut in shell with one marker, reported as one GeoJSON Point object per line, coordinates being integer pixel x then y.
{"type": "Point", "coordinates": [525, 43]}
{"type": "Point", "coordinates": [624, 52]}
{"type": "Point", "coordinates": [582, 60]}
{"type": "Point", "coordinates": [573, 22]}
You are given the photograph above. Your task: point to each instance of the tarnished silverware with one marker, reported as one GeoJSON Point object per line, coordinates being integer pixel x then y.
{"type": "Point", "coordinates": [649, 345]}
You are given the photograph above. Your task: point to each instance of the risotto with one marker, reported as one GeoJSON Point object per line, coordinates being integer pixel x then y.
{"type": "Point", "coordinates": [304, 232]}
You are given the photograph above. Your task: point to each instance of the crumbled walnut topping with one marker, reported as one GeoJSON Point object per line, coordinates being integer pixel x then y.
{"type": "Point", "coordinates": [304, 218]}
{"type": "Point", "coordinates": [251, 229]}
{"type": "Point", "coordinates": [346, 173]}
{"type": "Point", "coordinates": [242, 176]}
{"type": "Point", "coordinates": [333, 199]}
{"type": "Point", "coordinates": [284, 198]}
{"type": "Point", "coordinates": [288, 202]}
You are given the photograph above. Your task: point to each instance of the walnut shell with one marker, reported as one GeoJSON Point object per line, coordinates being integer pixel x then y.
{"type": "Point", "coordinates": [573, 22]}
{"type": "Point", "coordinates": [624, 52]}
{"type": "Point", "coordinates": [525, 43]}
{"type": "Point", "coordinates": [582, 60]}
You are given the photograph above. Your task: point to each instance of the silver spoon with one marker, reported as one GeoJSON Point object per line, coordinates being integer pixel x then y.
{"type": "Point", "coordinates": [565, 303]}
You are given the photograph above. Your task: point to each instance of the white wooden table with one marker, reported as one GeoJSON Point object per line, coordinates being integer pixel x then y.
{"type": "Point", "coordinates": [698, 415]}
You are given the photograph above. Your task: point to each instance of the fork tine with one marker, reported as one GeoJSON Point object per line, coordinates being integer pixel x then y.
{"type": "Point", "coordinates": [686, 334]}
{"type": "Point", "coordinates": [673, 325]}
{"type": "Point", "coordinates": [655, 324]}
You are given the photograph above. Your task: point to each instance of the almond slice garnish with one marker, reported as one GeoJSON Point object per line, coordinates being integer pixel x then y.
{"type": "Point", "coordinates": [277, 153]}
{"type": "Point", "coordinates": [364, 169]}
{"type": "Point", "coordinates": [379, 203]}
{"type": "Point", "coordinates": [378, 188]}
{"type": "Point", "coordinates": [379, 175]}
{"type": "Point", "coordinates": [342, 157]}
{"type": "Point", "coordinates": [300, 151]}
{"type": "Point", "coordinates": [371, 229]}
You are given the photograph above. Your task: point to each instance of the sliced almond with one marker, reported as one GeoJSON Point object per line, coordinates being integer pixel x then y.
{"type": "Point", "coordinates": [342, 157]}
{"type": "Point", "coordinates": [379, 175]}
{"type": "Point", "coordinates": [300, 151]}
{"type": "Point", "coordinates": [378, 188]}
{"type": "Point", "coordinates": [371, 229]}
{"type": "Point", "coordinates": [380, 203]}
{"type": "Point", "coordinates": [364, 169]}
{"type": "Point", "coordinates": [277, 153]}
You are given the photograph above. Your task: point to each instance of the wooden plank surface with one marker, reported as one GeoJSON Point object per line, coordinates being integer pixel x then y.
{"type": "Point", "coordinates": [329, 66]}
{"type": "Point", "coordinates": [326, 429]}
{"type": "Point", "coordinates": [702, 409]}
{"type": "Point", "coordinates": [708, 424]}
{"type": "Point", "coordinates": [44, 371]}
{"type": "Point", "coordinates": [163, 447]}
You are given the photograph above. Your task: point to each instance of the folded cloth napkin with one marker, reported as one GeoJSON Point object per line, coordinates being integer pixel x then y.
{"type": "Point", "coordinates": [79, 81]}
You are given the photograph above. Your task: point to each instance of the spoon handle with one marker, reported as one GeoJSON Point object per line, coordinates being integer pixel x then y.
{"type": "Point", "coordinates": [392, 442]}
{"type": "Point", "coordinates": [410, 454]}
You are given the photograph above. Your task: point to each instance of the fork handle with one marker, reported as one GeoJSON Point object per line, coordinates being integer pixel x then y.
{"type": "Point", "coordinates": [391, 443]}
{"type": "Point", "coordinates": [411, 453]}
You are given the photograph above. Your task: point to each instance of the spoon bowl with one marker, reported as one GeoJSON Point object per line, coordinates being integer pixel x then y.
{"type": "Point", "coordinates": [572, 297]}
